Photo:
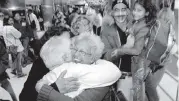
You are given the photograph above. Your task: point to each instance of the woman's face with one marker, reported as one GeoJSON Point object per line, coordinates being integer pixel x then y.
{"type": "Point", "coordinates": [11, 21]}
{"type": "Point", "coordinates": [81, 53]}
{"type": "Point", "coordinates": [17, 16]}
{"type": "Point", "coordinates": [120, 12]}
{"type": "Point", "coordinates": [81, 25]}
{"type": "Point", "coordinates": [139, 12]}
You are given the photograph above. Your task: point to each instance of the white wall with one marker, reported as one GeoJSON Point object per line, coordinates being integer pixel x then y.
{"type": "Point", "coordinates": [33, 1]}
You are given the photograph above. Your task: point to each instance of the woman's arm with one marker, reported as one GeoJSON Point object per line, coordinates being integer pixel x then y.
{"type": "Point", "coordinates": [13, 31]}
{"type": "Point", "coordinates": [108, 49]}
{"type": "Point", "coordinates": [101, 74]}
{"type": "Point", "coordinates": [88, 75]}
{"type": "Point", "coordinates": [47, 93]}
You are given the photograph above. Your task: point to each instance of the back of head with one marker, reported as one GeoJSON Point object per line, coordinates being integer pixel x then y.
{"type": "Point", "coordinates": [56, 51]}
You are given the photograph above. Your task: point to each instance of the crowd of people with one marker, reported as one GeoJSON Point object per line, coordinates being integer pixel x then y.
{"type": "Point", "coordinates": [86, 51]}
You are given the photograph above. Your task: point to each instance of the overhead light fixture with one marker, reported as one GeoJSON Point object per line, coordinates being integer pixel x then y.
{"type": "Point", "coordinates": [12, 8]}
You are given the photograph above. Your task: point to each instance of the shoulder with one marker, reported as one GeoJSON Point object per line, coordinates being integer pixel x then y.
{"type": "Point", "coordinates": [108, 30]}
{"type": "Point", "coordinates": [141, 29]}
{"type": "Point", "coordinates": [8, 28]}
{"type": "Point", "coordinates": [108, 65]}
{"type": "Point", "coordinates": [104, 62]}
{"type": "Point", "coordinates": [142, 32]}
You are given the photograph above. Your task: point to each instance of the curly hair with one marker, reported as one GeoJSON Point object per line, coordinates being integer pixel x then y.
{"type": "Point", "coordinates": [150, 8]}
{"type": "Point", "coordinates": [52, 52]}
{"type": "Point", "coordinates": [94, 43]}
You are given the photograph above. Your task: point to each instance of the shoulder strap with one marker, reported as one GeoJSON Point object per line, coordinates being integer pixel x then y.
{"type": "Point", "coordinates": [159, 24]}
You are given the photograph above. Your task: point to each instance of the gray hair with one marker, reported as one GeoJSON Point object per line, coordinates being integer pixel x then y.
{"type": "Point", "coordinates": [95, 43]}
{"type": "Point", "coordinates": [54, 49]}
{"type": "Point", "coordinates": [73, 23]}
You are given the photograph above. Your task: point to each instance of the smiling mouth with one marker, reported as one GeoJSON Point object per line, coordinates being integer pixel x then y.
{"type": "Point", "coordinates": [121, 18]}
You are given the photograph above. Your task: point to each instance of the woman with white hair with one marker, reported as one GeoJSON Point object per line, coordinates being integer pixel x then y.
{"type": "Point", "coordinates": [86, 65]}
{"type": "Point", "coordinates": [39, 69]}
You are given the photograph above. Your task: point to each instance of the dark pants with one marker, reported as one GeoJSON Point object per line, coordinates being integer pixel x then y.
{"type": "Point", "coordinates": [152, 80]}
{"type": "Point", "coordinates": [17, 67]}
{"type": "Point", "coordinates": [7, 86]}
{"type": "Point", "coordinates": [36, 45]}
{"type": "Point", "coordinates": [25, 57]}
{"type": "Point", "coordinates": [41, 25]}
{"type": "Point", "coordinates": [151, 83]}
{"type": "Point", "coordinates": [25, 43]}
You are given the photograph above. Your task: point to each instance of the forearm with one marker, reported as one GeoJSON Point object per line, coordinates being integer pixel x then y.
{"type": "Point", "coordinates": [128, 51]}
{"type": "Point", "coordinates": [107, 55]}
{"type": "Point", "coordinates": [107, 72]}
{"type": "Point", "coordinates": [50, 77]}
{"type": "Point", "coordinates": [47, 93]}
{"type": "Point", "coordinates": [15, 32]}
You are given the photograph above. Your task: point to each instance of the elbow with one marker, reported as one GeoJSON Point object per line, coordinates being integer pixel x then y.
{"type": "Point", "coordinates": [18, 36]}
{"type": "Point", "coordinates": [136, 52]}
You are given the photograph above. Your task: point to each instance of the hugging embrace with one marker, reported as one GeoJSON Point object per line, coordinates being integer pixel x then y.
{"type": "Point", "coordinates": [74, 70]}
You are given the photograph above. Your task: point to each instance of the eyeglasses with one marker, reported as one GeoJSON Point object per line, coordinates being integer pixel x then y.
{"type": "Point", "coordinates": [80, 51]}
